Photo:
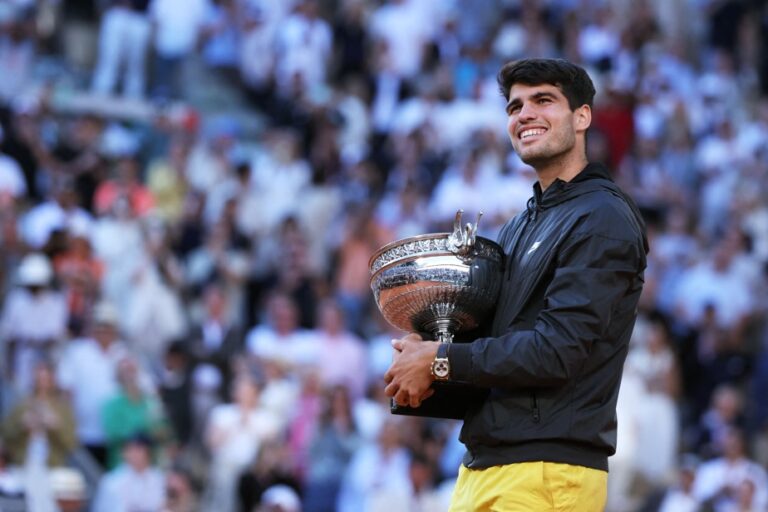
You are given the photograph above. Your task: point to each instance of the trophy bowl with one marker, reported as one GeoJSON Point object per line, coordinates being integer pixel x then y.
{"type": "Point", "coordinates": [439, 283]}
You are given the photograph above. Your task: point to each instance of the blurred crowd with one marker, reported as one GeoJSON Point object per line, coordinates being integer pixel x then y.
{"type": "Point", "coordinates": [186, 321]}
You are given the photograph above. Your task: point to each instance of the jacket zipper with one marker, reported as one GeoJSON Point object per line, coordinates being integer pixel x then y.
{"type": "Point", "coordinates": [535, 407]}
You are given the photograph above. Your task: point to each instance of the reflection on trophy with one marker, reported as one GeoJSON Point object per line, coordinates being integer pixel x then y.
{"type": "Point", "coordinates": [443, 284]}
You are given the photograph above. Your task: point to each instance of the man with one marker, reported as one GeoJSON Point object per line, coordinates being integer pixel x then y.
{"type": "Point", "coordinates": [553, 361]}
{"type": "Point", "coordinates": [88, 371]}
{"type": "Point", "coordinates": [136, 485]}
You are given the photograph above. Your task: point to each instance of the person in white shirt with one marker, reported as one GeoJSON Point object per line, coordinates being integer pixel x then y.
{"type": "Point", "coordinates": [123, 40]}
{"type": "Point", "coordinates": [280, 338]}
{"type": "Point", "coordinates": [235, 434]}
{"type": "Point", "coordinates": [33, 321]}
{"type": "Point", "coordinates": [88, 372]}
{"type": "Point", "coordinates": [134, 486]}
{"type": "Point", "coordinates": [721, 481]}
{"type": "Point", "coordinates": [176, 27]}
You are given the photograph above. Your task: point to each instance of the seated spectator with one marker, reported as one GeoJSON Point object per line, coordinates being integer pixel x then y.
{"type": "Point", "coordinates": [40, 430]}
{"type": "Point", "coordinates": [136, 484]}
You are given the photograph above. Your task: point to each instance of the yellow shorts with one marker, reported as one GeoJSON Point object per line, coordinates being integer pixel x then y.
{"type": "Point", "coordinates": [530, 487]}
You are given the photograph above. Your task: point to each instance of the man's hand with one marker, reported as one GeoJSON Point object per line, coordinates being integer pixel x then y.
{"type": "Point", "coordinates": [409, 377]}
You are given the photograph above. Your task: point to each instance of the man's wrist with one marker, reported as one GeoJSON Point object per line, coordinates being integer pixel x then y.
{"type": "Point", "coordinates": [441, 368]}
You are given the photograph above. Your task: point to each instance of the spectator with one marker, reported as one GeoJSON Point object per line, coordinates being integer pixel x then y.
{"type": "Point", "coordinates": [80, 273]}
{"type": "Point", "coordinates": [40, 430]}
{"type": "Point", "coordinates": [216, 339]}
{"type": "Point", "coordinates": [175, 387]}
{"type": "Point", "coordinates": [88, 372]}
{"type": "Point", "coordinates": [338, 351]}
{"type": "Point", "coordinates": [176, 28]}
{"type": "Point", "coordinates": [134, 485]}
{"type": "Point", "coordinates": [123, 43]}
{"type": "Point", "coordinates": [376, 469]}
{"type": "Point", "coordinates": [280, 337]}
{"type": "Point", "coordinates": [721, 481]}
{"type": "Point", "coordinates": [33, 322]}
{"type": "Point", "coordinates": [271, 468]}
{"type": "Point", "coordinates": [125, 184]}
{"type": "Point", "coordinates": [235, 433]}
{"type": "Point", "coordinates": [331, 447]}
{"type": "Point", "coordinates": [131, 412]}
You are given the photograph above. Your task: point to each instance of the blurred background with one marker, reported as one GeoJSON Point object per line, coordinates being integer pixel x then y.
{"type": "Point", "coordinates": [190, 191]}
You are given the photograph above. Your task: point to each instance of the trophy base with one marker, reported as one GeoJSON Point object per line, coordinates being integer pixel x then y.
{"type": "Point", "coordinates": [450, 401]}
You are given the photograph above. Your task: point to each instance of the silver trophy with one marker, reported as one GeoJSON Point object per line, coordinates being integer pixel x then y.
{"type": "Point", "coordinates": [440, 283]}
{"type": "Point", "coordinates": [443, 284]}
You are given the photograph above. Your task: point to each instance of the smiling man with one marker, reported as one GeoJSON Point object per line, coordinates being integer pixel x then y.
{"type": "Point", "coordinates": [554, 353]}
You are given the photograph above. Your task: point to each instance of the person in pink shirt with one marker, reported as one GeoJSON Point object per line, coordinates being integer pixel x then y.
{"type": "Point", "coordinates": [125, 184]}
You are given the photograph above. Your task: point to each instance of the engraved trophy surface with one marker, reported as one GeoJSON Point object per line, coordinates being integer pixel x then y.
{"type": "Point", "coordinates": [443, 284]}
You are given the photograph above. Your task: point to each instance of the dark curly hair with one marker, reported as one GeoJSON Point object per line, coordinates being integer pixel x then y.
{"type": "Point", "coordinates": [571, 79]}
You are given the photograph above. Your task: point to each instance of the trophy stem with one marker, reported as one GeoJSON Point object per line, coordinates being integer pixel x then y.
{"type": "Point", "coordinates": [442, 329]}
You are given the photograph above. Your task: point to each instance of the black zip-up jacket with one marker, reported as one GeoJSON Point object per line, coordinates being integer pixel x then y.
{"type": "Point", "coordinates": [553, 361]}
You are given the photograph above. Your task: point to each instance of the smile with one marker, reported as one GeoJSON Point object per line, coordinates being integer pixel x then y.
{"type": "Point", "coordinates": [531, 132]}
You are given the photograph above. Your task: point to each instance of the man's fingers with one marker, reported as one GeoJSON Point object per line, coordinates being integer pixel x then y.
{"type": "Point", "coordinates": [428, 393]}
{"type": "Point", "coordinates": [391, 389]}
{"type": "Point", "coordinates": [388, 377]}
{"type": "Point", "coordinates": [397, 345]}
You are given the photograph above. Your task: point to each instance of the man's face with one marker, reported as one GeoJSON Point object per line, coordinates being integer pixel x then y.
{"type": "Point", "coordinates": [540, 123]}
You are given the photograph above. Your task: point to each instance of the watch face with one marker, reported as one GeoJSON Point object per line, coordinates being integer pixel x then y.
{"type": "Point", "coordinates": [441, 369]}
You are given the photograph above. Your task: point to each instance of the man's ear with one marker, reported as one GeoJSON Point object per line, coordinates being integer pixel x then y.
{"type": "Point", "coordinates": [582, 117]}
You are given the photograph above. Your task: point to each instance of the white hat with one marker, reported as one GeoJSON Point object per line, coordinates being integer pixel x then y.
{"type": "Point", "coordinates": [283, 497]}
{"type": "Point", "coordinates": [67, 484]}
{"type": "Point", "coordinates": [105, 313]}
{"type": "Point", "coordinates": [35, 270]}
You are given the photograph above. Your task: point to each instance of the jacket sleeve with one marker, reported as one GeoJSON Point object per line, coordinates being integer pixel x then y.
{"type": "Point", "coordinates": [593, 273]}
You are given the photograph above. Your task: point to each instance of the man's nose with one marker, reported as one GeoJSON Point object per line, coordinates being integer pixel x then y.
{"type": "Point", "coordinates": [527, 111]}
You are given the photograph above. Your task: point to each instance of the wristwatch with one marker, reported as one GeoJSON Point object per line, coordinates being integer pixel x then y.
{"type": "Point", "coordinates": [441, 368]}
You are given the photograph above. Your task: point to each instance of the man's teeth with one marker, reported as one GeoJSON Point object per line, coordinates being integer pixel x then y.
{"type": "Point", "coordinates": [528, 133]}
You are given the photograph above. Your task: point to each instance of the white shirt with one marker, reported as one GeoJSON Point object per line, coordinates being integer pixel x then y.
{"type": "Point", "coordinates": [34, 317]}
{"type": "Point", "coordinates": [715, 474]}
{"type": "Point", "coordinates": [243, 434]}
{"type": "Point", "coordinates": [11, 177]}
{"type": "Point", "coordinates": [295, 348]}
{"type": "Point", "coordinates": [126, 490]}
{"type": "Point", "coordinates": [88, 372]}
{"type": "Point", "coordinates": [304, 47]}
{"type": "Point", "coordinates": [178, 24]}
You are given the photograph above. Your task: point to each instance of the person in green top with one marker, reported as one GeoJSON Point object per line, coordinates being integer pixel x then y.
{"type": "Point", "coordinates": [133, 411]}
